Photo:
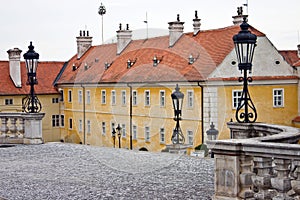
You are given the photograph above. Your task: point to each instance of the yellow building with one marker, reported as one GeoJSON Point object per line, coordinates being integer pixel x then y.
{"type": "Point", "coordinates": [130, 83]}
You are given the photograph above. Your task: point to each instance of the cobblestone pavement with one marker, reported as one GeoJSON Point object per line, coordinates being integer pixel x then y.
{"type": "Point", "coordinates": [70, 171]}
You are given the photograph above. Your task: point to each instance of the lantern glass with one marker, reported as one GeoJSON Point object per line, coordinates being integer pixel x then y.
{"type": "Point", "coordinates": [177, 98]}
{"type": "Point", "coordinates": [31, 60]}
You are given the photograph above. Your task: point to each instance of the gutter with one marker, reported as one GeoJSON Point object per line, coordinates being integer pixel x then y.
{"type": "Point", "coordinates": [130, 117]}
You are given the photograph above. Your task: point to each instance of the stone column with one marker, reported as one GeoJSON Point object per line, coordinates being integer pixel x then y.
{"type": "Point", "coordinates": [296, 183]}
{"type": "Point", "coordinates": [282, 183]}
{"type": "Point", "coordinates": [33, 128]}
{"type": "Point", "coordinates": [262, 180]}
{"type": "Point", "coordinates": [245, 177]}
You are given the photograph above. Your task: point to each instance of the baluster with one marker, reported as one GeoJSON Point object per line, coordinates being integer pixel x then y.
{"type": "Point", "coordinates": [296, 183]}
{"type": "Point", "coordinates": [4, 127]}
{"type": "Point", "coordinates": [262, 180]}
{"type": "Point", "coordinates": [21, 127]}
{"type": "Point", "coordinates": [282, 183]}
{"type": "Point", "coordinates": [13, 127]}
{"type": "Point", "coordinates": [245, 177]}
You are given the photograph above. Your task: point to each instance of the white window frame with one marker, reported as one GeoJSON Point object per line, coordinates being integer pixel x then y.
{"type": "Point", "coordinates": [162, 98]}
{"type": "Point", "coordinates": [88, 126]}
{"type": "Point", "coordinates": [113, 97]}
{"type": "Point", "coordinates": [123, 130]}
{"type": "Point", "coordinates": [147, 134]}
{"type": "Point", "coordinates": [103, 96]}
{"type": "Point", "coordinates": [147, 98]}
{"type": "Point", "coordinates": [236, 95]}
{"type": "Point", "coordinates": [134, 97]}
{"type": "Point", "coordinates": [88, 97]}
{"type": "Point", "coordinates": [69, 96]}
{"type": "Point", "coordinates": [190, 98]}
{"type": "Point", "coordinates": [80, 96]}
{"type": "Point", "coordinates": [276, 96]}
{"type": "Point", "coordinates": [162, 135]}
{"type": "Point", "coordinates": [55, 100]}
{"type": "Point", "coordinates": [134, 132]}
{"type": "Point", "coordinates": [103, 128]}
{"type": "Point", "coordinates": [80, 125]}
{"type": "Point", "coordinates": [123, 97]}
{"type": "Point", "coordinates": [190, 137]}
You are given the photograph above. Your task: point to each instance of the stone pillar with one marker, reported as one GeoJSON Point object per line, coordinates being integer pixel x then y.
{"type": "Point", "coordinates": [262, 180]}
{"type": "Point", "coordinates": [33, 128]}
{"type": "Point", "coordinates": [245, 177]}
{"type": "Point", "coordinates": [4, 127]}
{"type": "Point", "coordinates": [282, 183]}
{"type": "Point", "coordinates": [296, 183]}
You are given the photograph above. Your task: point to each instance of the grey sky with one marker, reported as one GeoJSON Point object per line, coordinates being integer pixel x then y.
{"type": "Point", "coordinates": [53, 25]}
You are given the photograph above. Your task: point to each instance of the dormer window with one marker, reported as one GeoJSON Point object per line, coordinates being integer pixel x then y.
{"type": "Point", "coordinates": [130, 63]}
{"type": "Point", "coordinates": [156, 60]}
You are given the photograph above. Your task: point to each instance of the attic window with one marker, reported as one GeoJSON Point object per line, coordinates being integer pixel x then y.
{"type": "Point", "coordinates": [107, 65]}
{"type": "Point", "coordinates": [277, 62]}
{"type": "Point", "coordinates": [130, 63]}
{"type": "Point", "coordinates": [233, 62]}
{"type": "Point", "coordinates": [192, 59]}
{"type": "Point", "coordinates": [74, 67]}
{"type": "Point", "coordinates": [86, 66]}
{"type": "Point", "coordinates": [156, 60]}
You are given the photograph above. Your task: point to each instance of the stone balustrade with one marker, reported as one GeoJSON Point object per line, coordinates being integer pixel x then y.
{"type": "Point", "coordinates": [261, 161]}
{"type": "Point", "coordinates": [21, 128]}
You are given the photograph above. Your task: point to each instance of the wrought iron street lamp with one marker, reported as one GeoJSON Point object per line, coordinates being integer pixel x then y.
{"type": "Point", "coordinates": [177, 98]}
{"type": "Point", "coordinates": [119, 134]}
{"type": "Point", "coordinates": [31, 103]}
{"type": "Point", "coordinates": [245, 43]}
{"type": "Point", "coordinates": [114, 136]}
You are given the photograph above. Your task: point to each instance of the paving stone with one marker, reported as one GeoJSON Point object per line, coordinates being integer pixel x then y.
{"type": "Point", "coordinates": [70, 171]}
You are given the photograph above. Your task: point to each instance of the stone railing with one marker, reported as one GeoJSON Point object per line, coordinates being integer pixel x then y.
{"type": "Point", "coordinates": [21, 128]}
{"type": "Point", "coordinates": [260, 162]}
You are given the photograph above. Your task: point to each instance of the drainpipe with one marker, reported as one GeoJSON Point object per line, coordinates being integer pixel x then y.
{"type": "Point", "coordinates": [202, 113]}
{"type": "Point", "coordinates": [130, 117]}
{"type": "Point", "coordinates": [83, 102]}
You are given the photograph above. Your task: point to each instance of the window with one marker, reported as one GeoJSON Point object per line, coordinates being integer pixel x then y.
{"type": "Point", "coordinates": [134, 98]}
{"type": "Point", "coordinates": [134, 132]}
{"type": "Point", "coordinates": [103, 128]}
{"type": "Point", "coordinates": [190, 135]}
{"type": "Point", "coordinates": [278, 98]}
{"type": "Point", "coordinates": [80, 125]}
{"type": "Point", "coordinates": [61, 95]}
{"type": "Point", "coordinates": [9, 102]}
{"type": "Point", "coordinates": [162, 135]}
{"type": "Point", "coordinates": [113, 97]}
{"type": "Point", "coordinates": [103, 96]}
{"type": "Point", "coordinates": [112, 127]}
{"type": "Point", "coordinates": [162, 98]}
{"type": "Point", "coordinates": [123, 130]}
{"type": "Point", "coordinates": [79, 96]}
{"type": "Point", "coordinates": [55, 120]}
{"type": "Point", "coordinates": [88, 126]}
{"type": "Point", "coordinates": [88, 97]}
{"type": "Point", "coordinates": [147, 134]}
{"type": "Point", "coordinates": [70, 123]}
{"type": "Point", "coordinates": [190, 95]}
{"type": "Point", "coordinates": [123, 100]}
{"type": "Point", "coordinates": [69, 96]}
{"type": "Point", "coordinates": [62, 120]}
{"type": "Point", "coordinates": [55, 100]}
{"type": "Point", "coordinates": [236, 98]}
{"type": "Point", "coordinates": [147, 98]}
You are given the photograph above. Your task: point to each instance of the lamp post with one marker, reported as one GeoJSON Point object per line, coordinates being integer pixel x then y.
{"type": "Point", "coordinates": [114, 136]}
{"type": "Point", "coordinates": [177, 99]}
{"type": "Point", "coordinates": [31, 103]}
{"type": "Point", "coordinates": [245, 43]}
{"type": "Point", "coordinates": [102, 12]}
{"type": "Point", "coordinates": [119, 134]}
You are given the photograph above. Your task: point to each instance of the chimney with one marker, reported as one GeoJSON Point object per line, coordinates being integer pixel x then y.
{"type": "Point", "coordinates": [14, 56]}
{"type": "Point", "coordinates": [298, 50]}
{"type": "Point", "coordinates": [123, 38]}
{"type": "Point", "coordinates": [196, 23]}
{"type": "Point", "coordinates": [84, 42]}
{"type": "Point", "coordinates": [175, 31]}
{"type": "Point", "coordinates": [238, 19]}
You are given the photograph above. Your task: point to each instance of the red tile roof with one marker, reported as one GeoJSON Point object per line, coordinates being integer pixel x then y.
{"type": "Point", "coordinates": [257, 78]}
{"type": "Point", "coordinates": [46, 74]}
{"type": "Point", "coordinates": [291, 56]}
{"type": "Point", "coordinates": [209, 47]}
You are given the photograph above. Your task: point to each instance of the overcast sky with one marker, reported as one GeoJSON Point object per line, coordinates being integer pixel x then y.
{"type": "Point", "coordinates": [53, 25]}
